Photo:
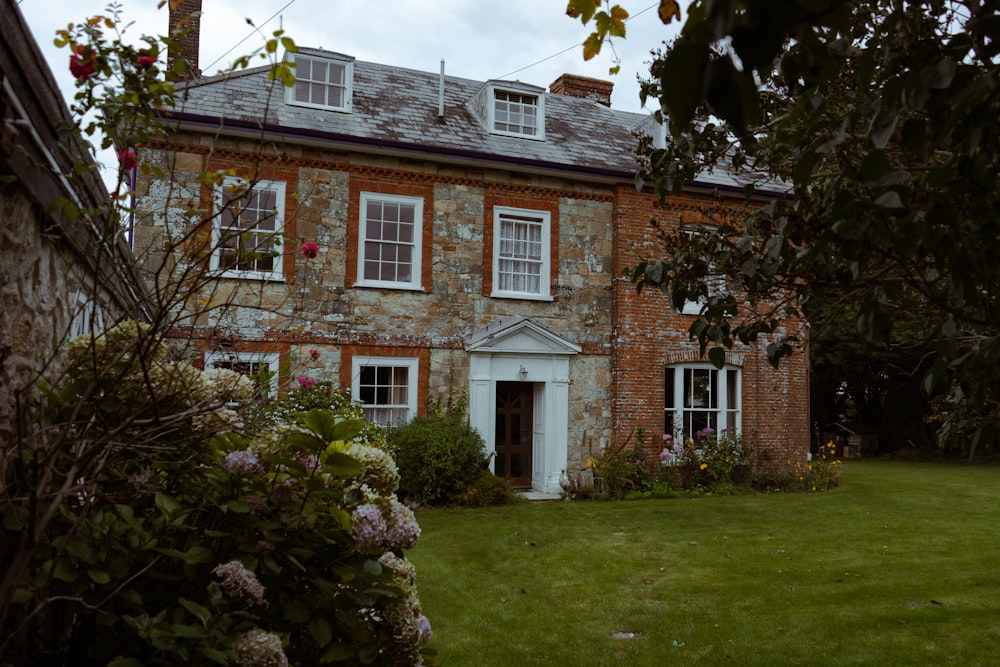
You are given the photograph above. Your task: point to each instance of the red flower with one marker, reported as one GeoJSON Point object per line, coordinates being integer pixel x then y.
{"type": "Point", "coordinates": [309, 250]}
{"type": "Point", "coordinates": [145, 61]}
{"type": "Point", "coordinates": [80, 68]}
{"type": "Point", "coordinates": [128, 158]}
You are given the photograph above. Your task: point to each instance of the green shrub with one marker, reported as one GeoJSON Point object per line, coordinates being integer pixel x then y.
{"type": "Point", "coordinates": [488, 491]}
{"type": "Point", "coordinates": [622, 469]}
{"type": "Point", "coordinates": [199, 546]}
{"type": "Point", "coordinates": [439, 456]}
{"type": "Point", "coordinates": [320, 395]}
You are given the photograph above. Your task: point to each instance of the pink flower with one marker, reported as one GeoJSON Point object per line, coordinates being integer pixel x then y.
{"type": "Point", "coordinates": [128, 158]}
{"type": "Point", "coordinates": [243, 463]}
{"type": "Point", "coordinates": [666, 437]}
{"type": "Point", "coordinates": [240, 582]}
{"type": "Point", "coordinates": [314, 354]}
{"type": "Point", "coordinates": [145, 61]}
{"type": "Point", "coordinates": [305, 381]}
{"type": "Point", "coordinates": [81, 68]}
{"type": "Point", "coordinates": [309, 250]}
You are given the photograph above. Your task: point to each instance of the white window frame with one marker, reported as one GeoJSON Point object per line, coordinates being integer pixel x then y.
{"type": "Point", "coordinates": [416, 245]}
{"type": "Point", "coordinates": [87, 316]}
{"type": "Point", "coordinates": [502, 253]}
{"type": "Point", "coordinates": [716, 284]}
{"type": "Point", "coordinates": [412, 366]}
{"type": "Point", "coordinates": [683, 416]}
{"type": "Point", "coordinates": [345, 89]}
{"type": "Point", "coordinates": [518, 107]}
{"type": "Point", "coordinates": [220, 234]}
{"type": "Point", "coordinates": [217, 359]}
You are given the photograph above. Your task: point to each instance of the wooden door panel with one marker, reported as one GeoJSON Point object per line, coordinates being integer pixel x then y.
{"type": "Point", "coordinates": [513, 433]}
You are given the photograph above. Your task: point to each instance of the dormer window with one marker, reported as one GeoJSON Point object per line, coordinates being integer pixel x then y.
{"type": "Point", "coordinates": [516, 113]}
{"type": "Point", "coordinates": [321, 83]}
{"type": "Point", "coordinates": [511, 108]}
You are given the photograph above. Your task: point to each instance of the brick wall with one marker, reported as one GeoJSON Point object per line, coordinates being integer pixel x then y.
{"type": "Point", "coordinates": [648, 336]}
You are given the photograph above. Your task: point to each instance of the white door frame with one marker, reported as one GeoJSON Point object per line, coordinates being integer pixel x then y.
{"type": "Point", "coordinates": [521, 350]}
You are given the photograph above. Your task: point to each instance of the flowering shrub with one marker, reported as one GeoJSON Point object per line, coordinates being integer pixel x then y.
{"type": "Point", "coordinates": [824, 469]}
{"type": "Point", "coordinates": [706, 461]}
{"type": "Point", "coordinates": [622, 469]}
{"type": "Point", "coordinates": [314, 394]}
{"type": "Point", "coordinates": [281, 548]}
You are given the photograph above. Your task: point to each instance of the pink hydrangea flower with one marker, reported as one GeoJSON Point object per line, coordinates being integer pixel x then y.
{"type": "Point", "coordinates": [305, 381]}
{"type": "Point", "coordinates": [368, 527]}
{"type": "Point", "coordinates": [240, 582]}
{"type": "Point", "coordinates": [259, 648]}
{"type": "Point", "coordinates": [243, 463]}
{"type": "Point", "coordinates": [309, 250]}
{"type": "Point", "coordinates": [403, 531]}
{"type": "Point", "coordinates": [425, 628]}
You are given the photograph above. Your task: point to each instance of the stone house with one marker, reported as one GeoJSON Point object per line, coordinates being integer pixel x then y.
{"type": "Point", "coordinates": [64, 270]}
{"type": "Point", "coordinates": [469, 236]}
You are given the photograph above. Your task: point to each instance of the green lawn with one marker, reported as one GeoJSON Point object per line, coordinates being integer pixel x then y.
{"type": "Point", "coordinates": [896, 567]}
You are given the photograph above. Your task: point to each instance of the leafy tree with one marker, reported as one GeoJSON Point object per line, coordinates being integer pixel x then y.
{"type": "Point", "coordinates": [881, 118]}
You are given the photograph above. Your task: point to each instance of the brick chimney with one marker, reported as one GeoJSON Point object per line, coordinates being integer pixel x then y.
{"type": "Point", "coordinates": [582, 86]}
{"type": "Point", "coordinates": [185, 15]}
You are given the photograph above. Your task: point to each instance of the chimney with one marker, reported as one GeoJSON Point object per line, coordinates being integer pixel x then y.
{"type": "Point", "coordinates": [582, 86]}
{"type": "Point", "coordinates": [185, 16]}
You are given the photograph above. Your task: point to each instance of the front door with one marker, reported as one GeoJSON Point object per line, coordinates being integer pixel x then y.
{"type": "Point", "coordinates": [512, 439]}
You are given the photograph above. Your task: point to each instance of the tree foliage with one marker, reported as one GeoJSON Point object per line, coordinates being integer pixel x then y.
{"type": "Point", "coordinates": [881, 119]}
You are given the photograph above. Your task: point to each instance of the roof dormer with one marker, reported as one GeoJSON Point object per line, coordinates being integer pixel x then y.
{"type": "Point", "coordinates": [323, 80]}
{"type": "Point", "coordinates": [511, 108]}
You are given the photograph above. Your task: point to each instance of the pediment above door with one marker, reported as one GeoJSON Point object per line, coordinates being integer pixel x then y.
{"type": "Point", "coordinates": [519, 335]}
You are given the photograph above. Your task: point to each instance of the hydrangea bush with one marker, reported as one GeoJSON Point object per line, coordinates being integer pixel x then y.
{"type": "Point", "coordinates": [281, 547]}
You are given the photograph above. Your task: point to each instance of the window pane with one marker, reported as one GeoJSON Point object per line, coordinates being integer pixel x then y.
{"type": "Point", "coordinates": [519, 263]}
{"type": "Point", "coordinates": [390, 230]}
{"type": "Point", "coordinates": [249, 228]}
{"type": "Point", "coordinates": [384, 393]}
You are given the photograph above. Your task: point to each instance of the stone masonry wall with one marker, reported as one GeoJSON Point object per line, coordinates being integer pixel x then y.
{"type": "Point", "coordinates": [44, 298]}
{"type": "Point", "coordinates": [317, 305]}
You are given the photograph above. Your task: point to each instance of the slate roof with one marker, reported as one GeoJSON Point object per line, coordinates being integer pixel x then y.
{"type": "Point", "coordinates": [395, 110]}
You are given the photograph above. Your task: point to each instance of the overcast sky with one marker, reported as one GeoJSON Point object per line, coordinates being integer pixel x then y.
{"type": "Point", "coordinates": [528, 40]}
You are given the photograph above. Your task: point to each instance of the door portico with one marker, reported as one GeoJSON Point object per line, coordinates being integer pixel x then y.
{"type": "Point", "coordinates": [520, 350]}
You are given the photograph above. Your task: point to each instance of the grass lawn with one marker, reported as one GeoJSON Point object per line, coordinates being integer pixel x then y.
{"type": "Point", "coordinates": [899, 566]}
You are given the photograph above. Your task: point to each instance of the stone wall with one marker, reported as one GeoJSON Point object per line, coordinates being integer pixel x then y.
{"type": "Point", "coordinates": [46, 295]}
{"type": "Point", "coordinates": [318, 306]}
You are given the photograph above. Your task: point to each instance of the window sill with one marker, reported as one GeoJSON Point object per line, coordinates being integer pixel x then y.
{"type": "Point", "coordinates": [522, 296]}
{"type": "Point", "coordinates": [249, 275]}
{"type": "Point", "coordinates": [322, 107]}
{"type": "Point", "coordinates": [391, 286]}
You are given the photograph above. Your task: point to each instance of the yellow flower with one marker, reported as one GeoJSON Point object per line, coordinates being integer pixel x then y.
{"type": "Point", "coordinates": [703, 466]}
{"type": "Point", "coordinates": [591, 462]}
